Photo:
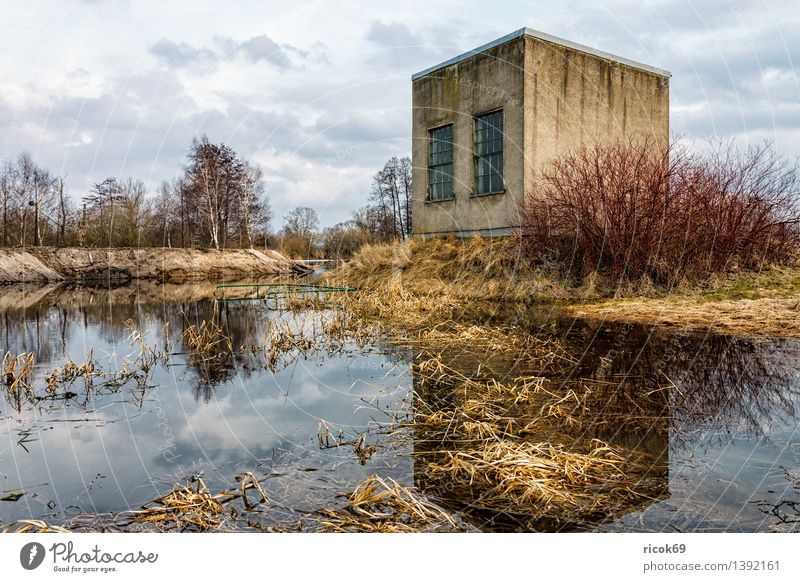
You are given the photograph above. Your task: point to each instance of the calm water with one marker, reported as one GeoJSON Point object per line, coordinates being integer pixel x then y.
{"type": "Point", "coordinates": [721, 413]}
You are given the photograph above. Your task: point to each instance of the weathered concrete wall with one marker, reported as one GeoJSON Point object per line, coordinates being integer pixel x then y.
{"type": "Point", "coordinates": [554, 98]}
{"type": "Point", "coordinates": [574, 98]}
{"type": "Point", "coordinates": [490, 80]}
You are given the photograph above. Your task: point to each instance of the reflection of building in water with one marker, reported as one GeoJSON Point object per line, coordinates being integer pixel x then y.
{"type": "Point", "coordinates": [603, 416]}
{"type": "Point", "coordinates": [648, 393]}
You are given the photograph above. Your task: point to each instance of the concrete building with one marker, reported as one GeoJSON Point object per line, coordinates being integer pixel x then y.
{"type": "Point", "coordinates": [487, 122]}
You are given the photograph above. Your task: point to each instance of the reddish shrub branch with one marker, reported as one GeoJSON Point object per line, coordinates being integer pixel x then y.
{"type": "Point", "coordinates": [631, 210]}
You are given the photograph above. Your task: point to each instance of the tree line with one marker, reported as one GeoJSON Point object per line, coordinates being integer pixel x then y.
{"type": "Point", "coordinates": [217, 201]}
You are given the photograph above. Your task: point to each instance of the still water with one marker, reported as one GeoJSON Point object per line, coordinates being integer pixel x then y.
{"type": "Point", "coordinates": [718, 412]}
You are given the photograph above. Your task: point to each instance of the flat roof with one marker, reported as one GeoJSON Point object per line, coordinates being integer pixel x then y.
{"type": "Point", "coordinates": [545, 37]}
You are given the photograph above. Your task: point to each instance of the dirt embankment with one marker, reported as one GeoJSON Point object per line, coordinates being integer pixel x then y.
{"type": "Point", "coordinates": [163, 264]}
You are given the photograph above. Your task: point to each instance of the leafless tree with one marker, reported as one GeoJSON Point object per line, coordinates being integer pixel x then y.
{"type": "Point", "coordinates": [215, 176]}
{"type": "Point", "coordinates": [391, 194]}
{"type": "Point", "coordinates": [299, 228]}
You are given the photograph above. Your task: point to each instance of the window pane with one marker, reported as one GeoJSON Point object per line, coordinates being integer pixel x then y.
{"type": "Point", "coordinates": [440, 163]}
{"type": "Point", "coordinates": [489, 153]}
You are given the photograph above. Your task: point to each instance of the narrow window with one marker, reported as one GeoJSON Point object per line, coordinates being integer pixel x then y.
{"type": "Point", "coordinates": [489, 153]}
{"type": "Point", "coordinates": [440, 163]}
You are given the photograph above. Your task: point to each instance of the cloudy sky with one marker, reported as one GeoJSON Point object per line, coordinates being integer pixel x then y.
{"type": "Point", "coordinates": [318, 93]}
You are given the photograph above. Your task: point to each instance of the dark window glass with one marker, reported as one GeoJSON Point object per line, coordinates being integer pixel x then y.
{"type": "Point", "coordinates": [440, 163]}
{"type": "Point", "coordinates": [489, 153]}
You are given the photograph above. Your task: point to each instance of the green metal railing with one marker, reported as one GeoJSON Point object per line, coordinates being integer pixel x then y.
{"type": "Point", "coordinates": [277, 291]}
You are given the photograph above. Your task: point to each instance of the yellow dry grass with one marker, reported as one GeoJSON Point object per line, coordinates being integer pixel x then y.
{"type": "Point", "coordinates": [191, 506]}
{"type": "Point", "coordinates": [474, 269]}
{"type": "Point", "coordinates": [427, 281]}
{"type": "Point", "coordinates": [206, 338]}
{"type": "Point", "coordinates": [519, 448]}
{"type": "Point", "coordinates": [384, 506]}
{"type": "Point", "coordinates": [17, 372]}
{"type": "Point", "coordinates": [757, 317]}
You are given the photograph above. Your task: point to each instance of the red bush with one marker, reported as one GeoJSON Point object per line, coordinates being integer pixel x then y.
{"type": "Point", "coordinates": [629, 210]}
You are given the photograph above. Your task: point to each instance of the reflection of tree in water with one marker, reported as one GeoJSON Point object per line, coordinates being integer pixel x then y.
{"type": "Point", "coordinates": [700, 382]}
{"type": "Point", "coordinates": [242, 325]}
{"type": "Point", "coordinates": [34, 330]}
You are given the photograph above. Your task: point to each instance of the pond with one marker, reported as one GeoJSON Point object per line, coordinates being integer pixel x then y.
{"type": "Point", "coordinates": [717, 414]}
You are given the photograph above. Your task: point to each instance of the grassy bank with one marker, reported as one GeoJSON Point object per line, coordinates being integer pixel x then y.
{"type": "Point", "coordinates": [446, 279]}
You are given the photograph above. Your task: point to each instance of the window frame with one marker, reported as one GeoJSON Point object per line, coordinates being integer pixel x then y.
{"type": "Point", "coordinates": [490, 154]}
{"type": "Point", "coordinates": [434, 167]}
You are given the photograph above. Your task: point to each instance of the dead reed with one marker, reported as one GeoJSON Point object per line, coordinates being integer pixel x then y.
{"type": "Point", "coordinates": [205, 339]}
{"type": "Point", "coordinates": [57, 380]}
{"type": "Point", "coordinates": [191, 506]}
{"type": "Point", "coordinates": [520, 448]}
{"type": "Point", "coordinates": [32, 526]}
{"type": "Point", "coordinates": [384, 506]}
{"type": "Point", "coordinates": [327, 440]}
{"type": "Point", "coordinates": [466, 271]}
{"type": "Point", "coordinates": [18, 375]}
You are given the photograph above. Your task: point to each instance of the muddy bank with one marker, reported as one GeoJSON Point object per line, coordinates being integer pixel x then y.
{"type": "Point", "coordinates": [163, 264]}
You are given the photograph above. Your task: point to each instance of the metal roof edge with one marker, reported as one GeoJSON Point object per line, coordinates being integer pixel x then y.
{"type": "Point", "coordinates": [547, 38]}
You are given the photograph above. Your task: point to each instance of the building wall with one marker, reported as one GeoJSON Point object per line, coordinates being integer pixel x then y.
{"type": "Point", "coordinates": [487, 81]}
{"type": "Point", "coordinates": [554, 99]}
{"type": "Point", "coordinates": [574, 98]}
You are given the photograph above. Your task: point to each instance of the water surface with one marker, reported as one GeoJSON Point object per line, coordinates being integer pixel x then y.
{"type": "Point", "coordinates": [717, 413]}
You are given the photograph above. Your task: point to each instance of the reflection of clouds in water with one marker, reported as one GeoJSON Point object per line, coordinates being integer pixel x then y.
{"type": "Point", "coordinates": [248, 414]}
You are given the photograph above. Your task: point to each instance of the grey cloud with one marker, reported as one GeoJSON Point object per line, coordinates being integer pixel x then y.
{"type": "Point", "coordinates": [372, 126]}
{"type": "Point", "coordinates": [402, 49]}
{"type": "Point", "coordinates": [394, 34]}
{"type": "Point", "coordinates": [263, 48]}
{"type": "Point", "coordinates": [260, 48]}
{"type": "Point", "coordinates": [181, 54]}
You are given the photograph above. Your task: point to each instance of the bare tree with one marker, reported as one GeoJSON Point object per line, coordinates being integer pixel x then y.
{"type": "Point", "coordinates": [214, 176]}
{"type": "Point", "coordinates": [132, 213]}
{"type": "Point", "coordinates": [391, 194]}
{"type": "Point", "coordinates": [62, 212]}
{"type": "Point", "coordinates": [101, 204]}
{"type": "Point", "coordinates": [5, 194]}
{"type": "Point", "coordinates": [299, 227]}
{"type": "Point", "coordinates": [163, 205]}
{"type": "Point", "coordinates": [254, 211]}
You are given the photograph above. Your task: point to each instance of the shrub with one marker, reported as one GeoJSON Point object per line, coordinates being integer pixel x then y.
{"type": "Point", "coordinates": [631, 210]}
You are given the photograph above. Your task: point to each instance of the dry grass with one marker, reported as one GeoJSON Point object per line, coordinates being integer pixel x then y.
{"type": "Point", "coordinates": [206, 339]}
{"type": "Point", "coordinates": [32, 526]}
{"type": "Point", "coordinates": [18, 376]}
{"type": "Point", "coordinates": [518, 448]}
{"type": "Point", "coordinates": [58, 379]}
{"type": "Point", "coordinates": [328, 440]}
{"type": "Point", "coordinates": [757, 317]}
{"type": "Point", "coordinates": [384, 506]}
{"type": "Point", "coordinates": [185, 507]}
{"type": "Point", "coordinates": [470, 269]}
{"type": "Point", "coordinates": [425, 282]}
{"type": "Point", "coordinates": [191, 506]}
